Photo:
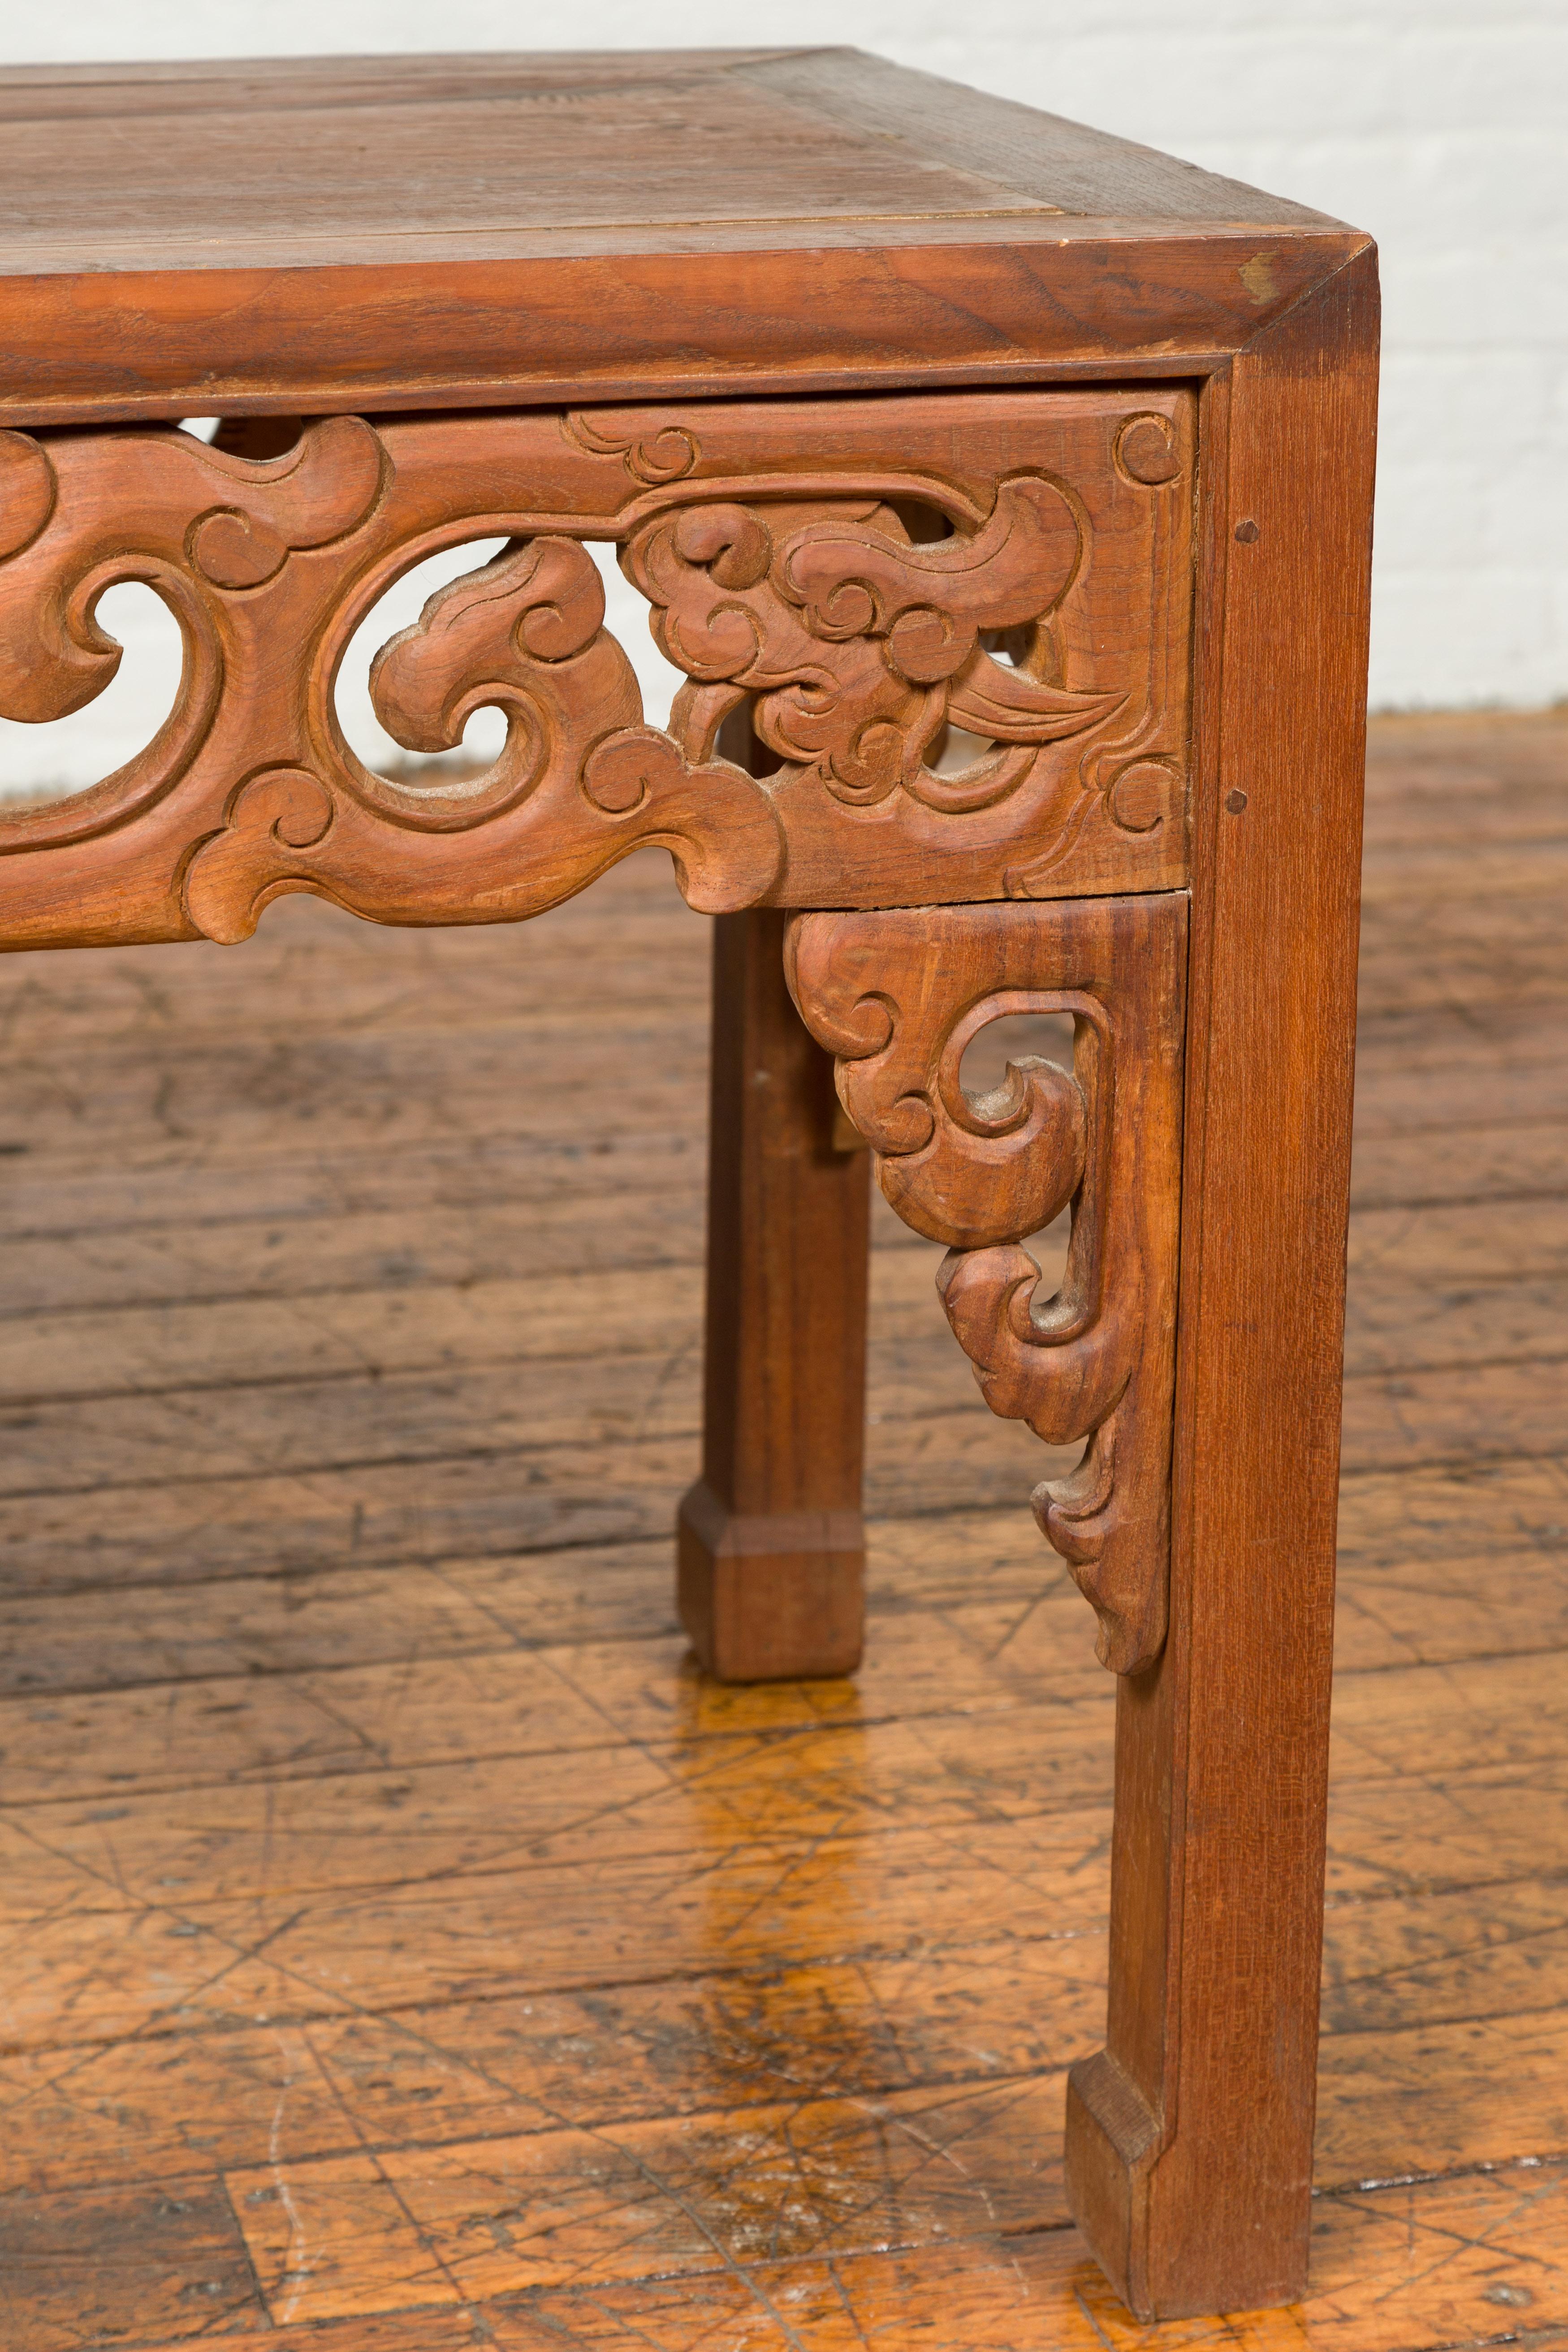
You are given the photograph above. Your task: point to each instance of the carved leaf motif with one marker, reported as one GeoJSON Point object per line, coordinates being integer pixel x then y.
{"type": "Point", "coordinates": [898, 997]}
{"type": "Point", "coordinates": [861, 645]}
{"type": "Point", "coordinates": [990, 698]}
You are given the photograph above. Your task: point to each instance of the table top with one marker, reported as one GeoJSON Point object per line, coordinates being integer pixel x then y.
{"type": "Point", "coordinates": [303, 232]}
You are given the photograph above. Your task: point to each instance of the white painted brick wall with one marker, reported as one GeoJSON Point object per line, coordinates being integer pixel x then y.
{"type": "Point", "coordinates": [1439, 125]}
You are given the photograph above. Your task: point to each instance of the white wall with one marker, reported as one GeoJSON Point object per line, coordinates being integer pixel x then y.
{"type": "Point", "coordinates": [1441, 127]}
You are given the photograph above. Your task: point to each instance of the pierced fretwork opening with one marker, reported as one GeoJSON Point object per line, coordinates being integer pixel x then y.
{"type": "Point", "coordinates": [255, 438]}
{"type": "Point", "coordinates": [54, 759]}
{"type": "Point", "coordinates": [955, 749]}
{"type": "Point", "coordinates": [925, 523]}
{"type": "Point", "coordinates": [400, 608]}
{"type": "Point", "coordinates": [739, 740]}
{"type": "Point", "coordinates": [626, 618]}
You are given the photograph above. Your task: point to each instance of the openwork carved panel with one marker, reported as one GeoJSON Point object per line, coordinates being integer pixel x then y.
{"type": "Point", "coordinates": [876, 582]}
{"type": "Point", "coordinates": [898, 998]}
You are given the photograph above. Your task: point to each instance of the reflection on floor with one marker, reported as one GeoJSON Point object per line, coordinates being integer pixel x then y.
{"type": "Point", "coordinates": [403, 1950]}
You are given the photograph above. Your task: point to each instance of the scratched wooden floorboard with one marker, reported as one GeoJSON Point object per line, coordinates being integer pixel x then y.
{"type": "Point", "coordinates": [405, 1948]}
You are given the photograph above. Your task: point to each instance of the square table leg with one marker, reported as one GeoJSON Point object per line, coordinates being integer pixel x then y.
{"type": "Point", "coordinates": [771, 1546]}
{"type": "Point", "coordinates": [1189, 2136]}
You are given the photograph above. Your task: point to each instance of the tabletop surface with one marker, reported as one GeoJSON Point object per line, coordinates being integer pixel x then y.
{"type": "Point", "coordinates": [308, 234]}
{"type": "Point", "coordinates": [295, 160]}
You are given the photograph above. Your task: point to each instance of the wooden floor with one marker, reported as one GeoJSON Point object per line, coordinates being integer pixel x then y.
{"type": "Point", "coordinates": [402, 1951]}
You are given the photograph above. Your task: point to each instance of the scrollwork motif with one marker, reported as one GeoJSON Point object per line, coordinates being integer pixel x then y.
{"type": "Point", "coordinates": [27, 491]}
{"type": "Point", "coordinates": [661, 455]}
{"type": "Point", "coordinates": [1133, 781]}
{"type": "Point", "coordinates": [859, 646]}
{"type": "Point", "coordinates": [898, 998]}
{"type": "Point", "coordinates": [147, 506]}
{"type": "Point", "coordinates": [579, 782]}
{"type": "Point", "coordinates": [805, 586]}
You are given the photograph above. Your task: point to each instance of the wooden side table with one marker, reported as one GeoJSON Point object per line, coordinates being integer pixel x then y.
{"type": "Point", "coordinates": [1003, 492]}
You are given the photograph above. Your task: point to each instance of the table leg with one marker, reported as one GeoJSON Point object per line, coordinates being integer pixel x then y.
{"type": "Point", "coordinates": [1190, 2137]}
{"type": "Point", "coordinates": [770, 1540]}
{"type": "Point", "coordinates": [1189, 2134]}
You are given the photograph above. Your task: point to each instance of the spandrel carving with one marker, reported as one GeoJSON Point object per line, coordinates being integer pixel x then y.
{"type": "Point", "coordinates": [898, 998]}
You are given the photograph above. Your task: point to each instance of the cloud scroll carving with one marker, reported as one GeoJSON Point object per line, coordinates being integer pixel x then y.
{"type": "Point", "coordinates": [817, 565]}
{"type": "Point", "coordinates": [861, 646]}
{"type": "Point", "coordinates": [898, 997]}
{"type": "Point", "coordinates": [579, 782]}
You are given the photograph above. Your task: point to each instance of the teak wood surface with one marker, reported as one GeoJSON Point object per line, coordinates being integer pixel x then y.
{"type": "Point", "coordinates": [370, 1836]}
{"type": "Point", "coordinates": [1003, 492]}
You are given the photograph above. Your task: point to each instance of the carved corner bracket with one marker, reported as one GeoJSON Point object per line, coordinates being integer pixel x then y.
{"type": "Point", "coordinates": [898, 997]}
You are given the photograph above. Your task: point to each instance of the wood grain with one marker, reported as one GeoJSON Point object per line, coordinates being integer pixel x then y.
{"type": "Point", "coordinates": [1203, 2099]}
{"type": "Point", "coordinates": [1478, 2263]}
{"type": "Point", "coordinates": [375, 233]}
